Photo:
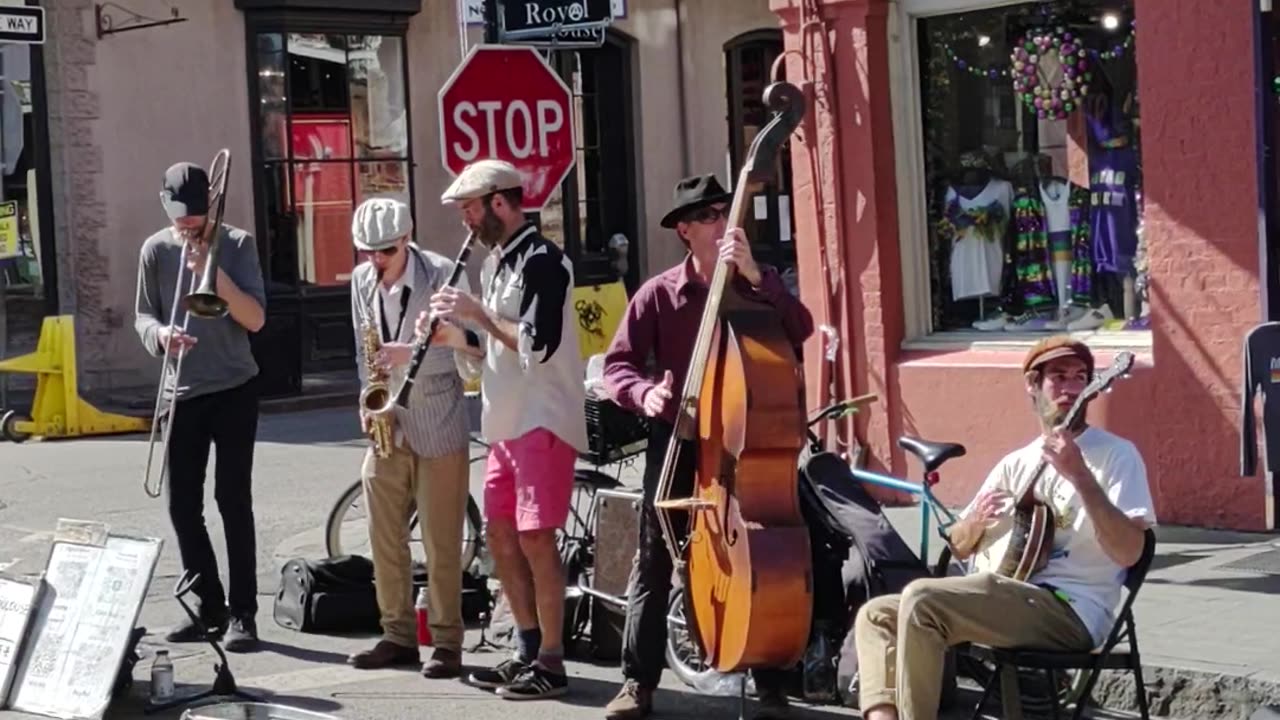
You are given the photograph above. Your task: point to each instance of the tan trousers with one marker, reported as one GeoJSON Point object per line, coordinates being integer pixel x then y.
{"type": "Point", "coordinates": [902, 639]}
{"type": "Point", "coordinates": [440, 487]}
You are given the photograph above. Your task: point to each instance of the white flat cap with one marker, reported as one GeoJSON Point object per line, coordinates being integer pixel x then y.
{"type": "Point", "coordinates": [481, 178]}
{"type": "Point", "coordinates": [379, 222]}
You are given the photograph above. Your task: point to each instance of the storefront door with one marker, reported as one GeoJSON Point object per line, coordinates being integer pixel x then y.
{"type": "Point", "coordinates": [332, 130]}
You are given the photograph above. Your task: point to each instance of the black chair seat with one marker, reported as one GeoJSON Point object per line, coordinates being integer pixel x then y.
{"type": "Point", "coordinates": [932, 454]}
{"type": "Point", "coordinates": [1117, 659]}
{"type": "Point", "coordinates": [595, 479]}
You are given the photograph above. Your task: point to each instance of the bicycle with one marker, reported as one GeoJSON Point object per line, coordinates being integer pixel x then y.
{"type": "Point", "coordinates": [344, 529]}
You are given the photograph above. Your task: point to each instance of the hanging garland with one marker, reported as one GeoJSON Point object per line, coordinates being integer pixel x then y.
{"type": "Point", "coordinates": [1055, 101]}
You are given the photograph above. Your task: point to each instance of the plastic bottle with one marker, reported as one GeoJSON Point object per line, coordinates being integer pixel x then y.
{"type": "Point", "coordinates": [424, 627]}
{"type": "Point", "coordinates": [162, 677]}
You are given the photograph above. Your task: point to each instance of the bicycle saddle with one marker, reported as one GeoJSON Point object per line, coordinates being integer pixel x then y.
{"type": "Point", "coordinates": [932, 454]}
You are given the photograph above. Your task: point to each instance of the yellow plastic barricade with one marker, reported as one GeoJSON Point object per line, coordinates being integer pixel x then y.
{"type": "Point", "coordinates": [58, 411]}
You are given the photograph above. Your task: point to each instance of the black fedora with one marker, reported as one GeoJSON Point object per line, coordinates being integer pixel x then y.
{"type": "Point", "coordinates": [693, 193]}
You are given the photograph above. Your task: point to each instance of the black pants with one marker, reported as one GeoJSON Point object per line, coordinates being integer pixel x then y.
{"type": "Point", "coordinates": [229, 421]}
{"type": "Point", "coordinates": [649, 586]}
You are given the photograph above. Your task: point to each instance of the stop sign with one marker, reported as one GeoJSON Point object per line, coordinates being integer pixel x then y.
{"type": "Point", "coordinates": [504, 102]}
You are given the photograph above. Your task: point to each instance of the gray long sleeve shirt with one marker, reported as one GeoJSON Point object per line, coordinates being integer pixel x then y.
{"type": "Point", "coordinates": [221, 358]}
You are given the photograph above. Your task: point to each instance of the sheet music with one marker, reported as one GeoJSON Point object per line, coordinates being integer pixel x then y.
{"type": "Point", "coordinates": [17, 600]}
{"type": "Point", "coordinates": [82, 628]}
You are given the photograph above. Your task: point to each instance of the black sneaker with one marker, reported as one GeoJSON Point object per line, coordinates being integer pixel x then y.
{"type": "Point", "coordinates": [242, 636]}
{"type": "Point", "coordinates": [536, 683]}
{"type": "Point", "coordinates": [187, 631]}
{"type": "Point", "coordinates": [504, 674]}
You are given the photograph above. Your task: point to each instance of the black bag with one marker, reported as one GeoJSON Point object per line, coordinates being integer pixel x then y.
{"type": "Point", "coordinates": [333, 595]}
{"type": "Point", "coordinates": [879, 561]}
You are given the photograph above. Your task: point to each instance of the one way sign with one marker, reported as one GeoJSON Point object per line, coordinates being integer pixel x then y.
{"type": "Point", "coordinates": [22, 24]}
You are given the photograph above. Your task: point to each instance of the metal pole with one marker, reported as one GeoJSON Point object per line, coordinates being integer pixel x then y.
{"type": "Point", "coordinates": [491, 10]}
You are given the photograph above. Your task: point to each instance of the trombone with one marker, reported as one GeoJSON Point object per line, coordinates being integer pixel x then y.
{"type": "Point", "coordinates": [202, 301]}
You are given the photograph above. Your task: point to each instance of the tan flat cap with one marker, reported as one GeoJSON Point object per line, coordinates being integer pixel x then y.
{"type": "Point", "coordinates": [379, 222]}
{"type": "Point", "coordinates": [1054, 347]}
{"type": "Point", "coordinates": [481, 178]}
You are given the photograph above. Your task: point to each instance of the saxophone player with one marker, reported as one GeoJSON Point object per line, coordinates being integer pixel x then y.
{"type": "Point", "coordinates": [415, 455]}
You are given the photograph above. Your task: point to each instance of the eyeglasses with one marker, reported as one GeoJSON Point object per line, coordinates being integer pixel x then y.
{"type": "Point", "coordinates": [708, 215]}
{"type": "Point", "coordinates": [387, 251]}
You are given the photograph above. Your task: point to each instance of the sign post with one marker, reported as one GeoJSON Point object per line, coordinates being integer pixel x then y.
{"type": "Point", "coordinates": [505, 103]}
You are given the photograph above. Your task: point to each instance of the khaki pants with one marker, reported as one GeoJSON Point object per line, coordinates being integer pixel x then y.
{"type": "Point", "coordinates": [440, 487]}
{"type": "Point", "coordinates": [902, 639]}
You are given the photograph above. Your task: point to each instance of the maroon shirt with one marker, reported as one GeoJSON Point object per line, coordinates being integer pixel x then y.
{"type": "Point", "coordinates": [662, 323]}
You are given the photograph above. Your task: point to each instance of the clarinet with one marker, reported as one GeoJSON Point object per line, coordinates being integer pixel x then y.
{"type": "Point", "coordinates": [423, 342]}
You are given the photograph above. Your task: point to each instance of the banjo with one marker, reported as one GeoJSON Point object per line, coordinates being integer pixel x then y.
{"type": "Point", "coordinates": [1019, 543]}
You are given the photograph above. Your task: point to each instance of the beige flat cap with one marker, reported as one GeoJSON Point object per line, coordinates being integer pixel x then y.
{"type": "Point", "coordinates": [481, 178]}
{"type": "Point", "coordinates": [379, 222]}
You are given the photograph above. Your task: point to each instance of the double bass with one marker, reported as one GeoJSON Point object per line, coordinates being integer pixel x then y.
{"type": "Point", "coordinates": [745, 564]}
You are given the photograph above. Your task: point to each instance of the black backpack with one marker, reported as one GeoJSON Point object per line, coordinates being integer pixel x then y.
{"type": "Point", "coordinates": [879, 562]}
{"type": "Point", "coordinates": [331, 595]}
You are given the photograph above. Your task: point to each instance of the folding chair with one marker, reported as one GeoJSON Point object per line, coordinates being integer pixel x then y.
{"type": "Point", "coordinates": [1109, 657]}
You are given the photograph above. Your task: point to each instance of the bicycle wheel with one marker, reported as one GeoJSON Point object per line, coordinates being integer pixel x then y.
{"type": "Point", "coordinates": [346, 529]}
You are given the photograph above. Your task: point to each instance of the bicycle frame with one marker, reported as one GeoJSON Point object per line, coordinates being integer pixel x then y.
{"type": "Point", "coordinates": [928, 502]}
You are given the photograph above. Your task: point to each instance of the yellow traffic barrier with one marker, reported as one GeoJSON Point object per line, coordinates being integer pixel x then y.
{"type": "Point", "coordinates": [58, 411]}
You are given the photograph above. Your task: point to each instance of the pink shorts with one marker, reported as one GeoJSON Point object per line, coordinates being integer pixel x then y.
{"type": "Point", "coordinates": [529, 480]}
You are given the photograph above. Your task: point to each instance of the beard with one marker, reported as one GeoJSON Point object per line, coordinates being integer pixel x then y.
{"type": "Point", "coordinates": [491, 232]}
{"type": "Point", "coordinates": [1052, 415]}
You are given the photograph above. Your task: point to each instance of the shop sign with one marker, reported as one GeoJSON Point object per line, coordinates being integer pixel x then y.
{"type": "Point", "coordinates": [504, 102]}
{"type": "Point", "coordinates": [22, 24]}
{"type": "Point", "coordinates": [9, 246]}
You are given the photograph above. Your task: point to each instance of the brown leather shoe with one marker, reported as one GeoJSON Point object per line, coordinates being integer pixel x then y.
{"type": "Point", "coordinates": [633, 702]}
{"type": "Point", "coordinates": [384, 654]}
{"type": "Point", "coordinates": [443, 664]}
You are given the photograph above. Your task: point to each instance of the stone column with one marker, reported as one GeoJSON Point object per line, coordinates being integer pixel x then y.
{"type": "Point", "coordinates": [845, 199]}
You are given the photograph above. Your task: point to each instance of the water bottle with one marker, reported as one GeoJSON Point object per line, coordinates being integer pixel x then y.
{"type": "Point", "coordinates": [161, 677]}
{"type": "Point", "coordinates": [424, 628]}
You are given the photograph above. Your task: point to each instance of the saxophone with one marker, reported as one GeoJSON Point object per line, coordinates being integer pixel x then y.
{"type": "Point", "coordinates": [377, 391]}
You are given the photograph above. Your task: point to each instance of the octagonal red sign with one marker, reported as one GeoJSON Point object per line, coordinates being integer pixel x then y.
{"type": "Point", "coordinates": [504, 102]}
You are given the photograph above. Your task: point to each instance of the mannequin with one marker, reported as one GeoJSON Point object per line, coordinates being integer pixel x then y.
{"type": "Point", "coordinates": [975, 219]}
{"type": "Point", "coordinates": [1052, 251]}
{"type": "Point", "coordinates": [1113, 176]}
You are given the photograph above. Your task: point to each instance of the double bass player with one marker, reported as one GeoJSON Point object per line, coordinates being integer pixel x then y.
{"type": "Point", "coordinates": [659, 331]}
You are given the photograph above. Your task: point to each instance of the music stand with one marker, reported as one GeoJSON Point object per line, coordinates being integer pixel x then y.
{"type": "Point", "coordinates": [224, 683]}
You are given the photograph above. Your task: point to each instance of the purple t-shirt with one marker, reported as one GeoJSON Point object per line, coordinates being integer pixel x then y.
{"type": "Point", "coordinates": [1113, 180]}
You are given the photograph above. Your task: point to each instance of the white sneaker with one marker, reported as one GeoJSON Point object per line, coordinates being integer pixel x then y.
{"type": "Point", "coordinates": [1092, 320]}
{"type": "Point", "coordinates": [996, 322]}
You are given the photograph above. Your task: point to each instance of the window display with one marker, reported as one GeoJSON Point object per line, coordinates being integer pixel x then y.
{"type": "Point", "coordinates": [334, 133]}
{"type": "Point", "coordinates": [1032, 168]}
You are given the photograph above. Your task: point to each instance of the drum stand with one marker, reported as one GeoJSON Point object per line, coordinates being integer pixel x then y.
{"type": "Point", "coordinates": [224, 683]}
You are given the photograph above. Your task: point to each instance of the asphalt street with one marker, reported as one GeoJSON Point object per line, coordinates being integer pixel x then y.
{"type": "Point", "coordinates": [303, 463]}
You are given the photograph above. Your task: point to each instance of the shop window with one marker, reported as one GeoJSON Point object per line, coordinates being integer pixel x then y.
{"type": "Point", "coordinates": [1032, 177]}
{"type": "Point", "coordinates": [749, 61]}
{"type": "Point", "coordinates": [334, 133]}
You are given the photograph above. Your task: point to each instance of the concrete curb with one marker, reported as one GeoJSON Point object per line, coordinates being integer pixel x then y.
{"type": "Point", "coordinates": [303, 403]}
{"type": "Point", "coordinates": [1188, 694]}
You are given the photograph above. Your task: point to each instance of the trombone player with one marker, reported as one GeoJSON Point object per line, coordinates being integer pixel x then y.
{"type": "Point", "coordinates": [216, 402]}
{"type": "Point", "coordinates": [416, 455]}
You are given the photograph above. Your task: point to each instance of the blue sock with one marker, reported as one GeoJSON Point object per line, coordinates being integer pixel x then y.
{"type": "Point", "coordinates": [528, 642]}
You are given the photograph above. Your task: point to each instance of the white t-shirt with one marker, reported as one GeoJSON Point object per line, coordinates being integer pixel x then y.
{"type": "Point", "coordinates": [977, 257]}
{"type": "Point", "coordinates": [1079, 567]}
